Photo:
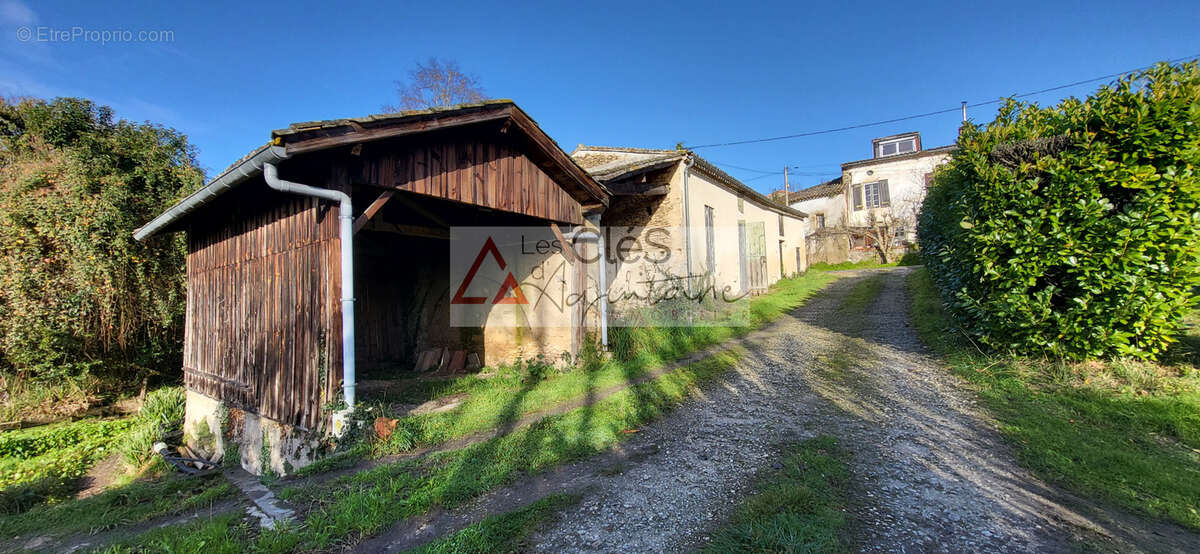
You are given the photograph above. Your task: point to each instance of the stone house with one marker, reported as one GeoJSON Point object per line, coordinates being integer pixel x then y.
{"type": "Point", "coordinates": [713, 229]}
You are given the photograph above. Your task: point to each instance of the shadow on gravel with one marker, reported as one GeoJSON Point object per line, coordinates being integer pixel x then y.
{"type": "Point", "coordinates": [940, 476]}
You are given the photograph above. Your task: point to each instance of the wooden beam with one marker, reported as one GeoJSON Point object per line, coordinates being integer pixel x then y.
{"type": "Point", "coordinates": [417, 207]}
{"type": "Point", "coordinates": [411, 230]}
{"type": "Point", "coordinates": [373, 209]}
{"type": "Point", "coordinates": [567, 246]}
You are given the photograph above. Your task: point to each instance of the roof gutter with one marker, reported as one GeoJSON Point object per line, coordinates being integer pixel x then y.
{"type": "Point", "coordinates": [231, 178]}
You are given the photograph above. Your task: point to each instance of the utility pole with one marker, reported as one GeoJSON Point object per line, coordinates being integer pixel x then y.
{"type": "Point", "coordinates": [787, 193]}
{"type": "Point", "coordinates": [964, 110]}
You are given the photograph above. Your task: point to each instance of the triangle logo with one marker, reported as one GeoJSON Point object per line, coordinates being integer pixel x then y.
{"type": "Point", "coordinates": [509, 284]}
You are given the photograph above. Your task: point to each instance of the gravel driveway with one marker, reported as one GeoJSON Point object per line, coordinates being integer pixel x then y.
{"type": "Point", "coordinates": [930, 472]}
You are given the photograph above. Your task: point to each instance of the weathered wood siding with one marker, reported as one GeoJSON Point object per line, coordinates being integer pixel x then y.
{"type": "Point", "coordinates": [263, 328]}
{"type": "Point", "coordinates": [484, 173]}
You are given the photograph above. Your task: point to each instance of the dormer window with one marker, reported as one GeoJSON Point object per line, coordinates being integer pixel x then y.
{"type": "Point", "coordinates": [896, 146]}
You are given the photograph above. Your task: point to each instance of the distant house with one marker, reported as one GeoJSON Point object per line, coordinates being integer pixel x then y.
{"type": "Point", "coordinates": [720, 230]}
{"type": "Point", "coordinates": [824, 203]}
{"type": "Point", "coordinates": [884, 190]}
{"type": "Point", "coordinates": [892, 182]}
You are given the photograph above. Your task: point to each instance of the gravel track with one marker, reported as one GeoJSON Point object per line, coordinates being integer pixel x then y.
{"type": "Point", "coordinates": [931, 473]}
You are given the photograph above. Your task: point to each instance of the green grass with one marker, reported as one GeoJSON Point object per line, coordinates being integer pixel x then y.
{"type": "Point", "coordinates": [132, 503]}
{"type": "Point", "coordinates": [349, 508]}
{"type": "Point", "coordinates": [799, 508]}
{"type": "Point", "coordinates": [44, 463]}
{"type": "Point", "coordinates": [343, 510]}
{"type": "Point", "coordinates": [501, 533]}
{"type": "Point", "coordinates": [220, 534]}
{"type": "Point", "coordinates": [864, 264]}
{"type": "Point", "coordinates": [1127, 432]}
{"type": "Point", "coordinates": [511, 394]}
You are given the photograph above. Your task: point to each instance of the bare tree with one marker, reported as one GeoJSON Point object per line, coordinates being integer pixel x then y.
{"type": "Point", "coordinates": [436, 83]}
{"type": "Point", "coordinates": [887, 227]}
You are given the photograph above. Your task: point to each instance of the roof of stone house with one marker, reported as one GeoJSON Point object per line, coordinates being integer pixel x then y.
{"type": "Point", "coordinates": [607, 163]}
{"type": "Point", "coordinates": [610, 163]}
{"type": "Point", "coordinates": [832, 187]}
{"type": "Point", "coordinates": [950, 148]}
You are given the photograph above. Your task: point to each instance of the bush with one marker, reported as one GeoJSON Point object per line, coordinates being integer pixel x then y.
{"type": "Point", "coordinates": [1074, 231]}
{"type": "Point", "coordinates": [161, 414]}
{"type": "Point", "coordinates": [78, 295]}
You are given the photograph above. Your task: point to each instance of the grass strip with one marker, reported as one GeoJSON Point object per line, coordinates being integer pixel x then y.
{"type": "Point", "coordinates": [797, 508]}
{"type": "Point", "coordinates": [127, 505]}
{"type": "Point", "coordinates": [503, 533]}
{"type": "Point", "coordinates": [1124, 431]}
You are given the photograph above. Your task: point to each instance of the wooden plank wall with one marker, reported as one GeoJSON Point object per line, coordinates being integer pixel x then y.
{"type": "Point", "coordinates": [483, 173]}
{"type": "Point", "coordinates": [263, 329]}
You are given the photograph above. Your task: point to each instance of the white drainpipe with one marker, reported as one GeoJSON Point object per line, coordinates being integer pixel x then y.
{"type": "Point", "coordinates": [584, 233]}
{"type": "Point", "coordinates": [687, 221]}
{"type": "Point", "coordinates": [346, 234]}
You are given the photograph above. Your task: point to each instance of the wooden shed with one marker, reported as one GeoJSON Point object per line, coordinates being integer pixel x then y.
{"type": "Point", "coordinates": [264, 326]}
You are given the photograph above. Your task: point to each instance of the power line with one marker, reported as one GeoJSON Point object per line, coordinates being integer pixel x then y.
{"type": "Point", "coordinates": [938, 112]}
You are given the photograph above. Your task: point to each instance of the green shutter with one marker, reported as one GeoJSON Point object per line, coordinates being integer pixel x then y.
{"type": "Point", "coordinates": [883, 193]}
{"type": "Point", "coordinates": [858, 197]}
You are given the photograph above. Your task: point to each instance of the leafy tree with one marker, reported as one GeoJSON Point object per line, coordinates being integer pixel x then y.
{"type": "Point", "coordinates": [436, 83]}
{"type": "Point", "coordinates": [1074, 231]}
{"type": "Point", "coordinates": [77, 293]}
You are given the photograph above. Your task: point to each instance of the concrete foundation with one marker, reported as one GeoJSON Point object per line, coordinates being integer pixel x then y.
{"type": "Point", "coordinates": [261, 445]}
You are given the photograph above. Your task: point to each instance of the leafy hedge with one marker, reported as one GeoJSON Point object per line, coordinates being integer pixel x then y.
{"type": "Point", "coordinates": [77, 293]}
{"type": "Point", "coordinates": [1074, 231]}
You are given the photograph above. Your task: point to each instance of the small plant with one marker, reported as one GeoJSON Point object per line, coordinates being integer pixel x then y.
{"type": "Point", "coordinates": [161, 414]}
{"type": "Point", "coordinates": [532, 370]}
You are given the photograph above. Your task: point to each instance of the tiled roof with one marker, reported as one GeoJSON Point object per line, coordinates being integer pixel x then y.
{"type": "Point", "coordinates": [610, 163]}
{"type": "Point", "coordinates": [829, 188]}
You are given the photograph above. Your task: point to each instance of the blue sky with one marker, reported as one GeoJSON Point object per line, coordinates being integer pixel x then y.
{"type": "Point", "coordinates": [602, 73]}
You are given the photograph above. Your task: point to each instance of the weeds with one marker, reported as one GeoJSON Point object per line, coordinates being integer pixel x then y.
{"type": "Point", "coordinates": [161, 414]}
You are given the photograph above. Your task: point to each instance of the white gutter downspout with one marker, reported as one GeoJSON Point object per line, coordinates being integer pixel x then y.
{"type": "Point", "coordinates": [346, 234]}
{"type": "Point", "coordinates": [687, 221]}
{"type": "Point", "coordinates": [585, 233]}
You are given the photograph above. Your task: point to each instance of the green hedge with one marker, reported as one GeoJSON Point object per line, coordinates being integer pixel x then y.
{"type": "Point", "coordinates": [78, 294]}
{"type": "Point", "coordinates": [1074, 231]}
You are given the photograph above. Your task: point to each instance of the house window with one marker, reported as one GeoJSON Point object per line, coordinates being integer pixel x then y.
{"type": "Point", "coordinates": [871, 195]}
{"type": "Point", "coordinates": [898, 146]}
{"type": "Point", "coordinates": [820, 221]}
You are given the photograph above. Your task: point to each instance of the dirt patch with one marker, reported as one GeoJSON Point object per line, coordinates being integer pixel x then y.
{"type": "Point", "coordinates": [101, 475]}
